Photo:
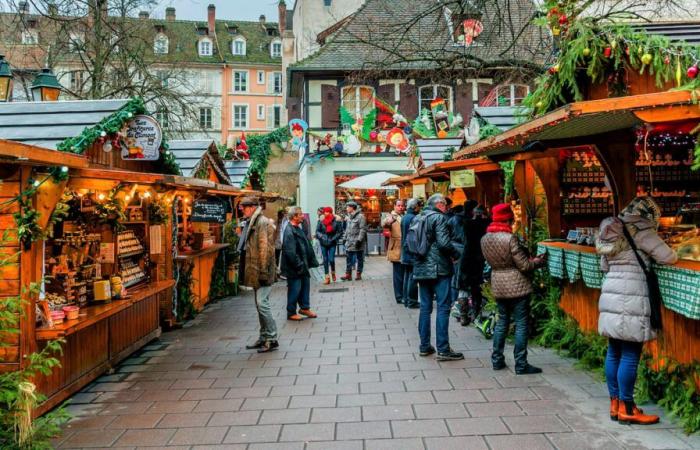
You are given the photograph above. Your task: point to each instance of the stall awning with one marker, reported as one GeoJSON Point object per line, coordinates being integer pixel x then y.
{"type": "Point", "coordinates": [589, 118]}
{"type": "Point", "coordinates": [443, 169]}
{"type": "Point", "coordinates": [17, 152]}
{"type": "Point", "coordinates": [371, 181]}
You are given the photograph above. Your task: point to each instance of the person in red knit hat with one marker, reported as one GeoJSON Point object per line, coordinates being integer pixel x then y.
{"type": "Point", "coordinates": [328, 232]}
{"type": "Point", "coordinates": [511, 287]}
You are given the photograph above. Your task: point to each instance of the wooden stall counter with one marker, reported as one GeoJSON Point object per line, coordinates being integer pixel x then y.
{"type": "Point", "coordinates": [202, 263]}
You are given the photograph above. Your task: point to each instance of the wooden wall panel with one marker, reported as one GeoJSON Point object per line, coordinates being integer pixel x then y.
{"type": "Point", "coordinates": [133, 324]}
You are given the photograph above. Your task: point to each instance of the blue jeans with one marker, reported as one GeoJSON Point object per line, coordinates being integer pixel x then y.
{"type": "Point", "coordinates": [354, 257]}
{"type": "Point", "coordinates": [268, 327]}
{"type": "Point", "coordinates": [328, 254]}
{"type": "Point", "coordinates": [621, 365]}
{"type": "Point", "coordinates": [298, 290]}
{"type": "Point", "coordinates": [410, 288]}
{"type": "Point", "coordinates": [398, 270]}
{"type": "Point", "coordinates": [438, 289]}
{"type": "Point", "coordinates": [518, 311]}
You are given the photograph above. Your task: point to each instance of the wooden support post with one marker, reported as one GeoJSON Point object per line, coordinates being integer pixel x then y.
{"type": "Point", "coordinates": [547, 169]}
{"type": "Point", "coordinates": [617, 156]}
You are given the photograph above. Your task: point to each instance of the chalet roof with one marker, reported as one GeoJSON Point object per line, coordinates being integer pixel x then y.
{"type": "Point", "coordinates": [433, 150]}
{"type": "Point", "coordinates": [191, 154]}
{"type": "Point", "coordinates": [46, 124]}
{"type": "Point", "coordinates": [238, 171]}
{"type": "Point", "coordinates": [675, 31]}
{"type": "Point", "coordinates": [504, 117]}
{"type": "Point", "coordinates": [422, 33]}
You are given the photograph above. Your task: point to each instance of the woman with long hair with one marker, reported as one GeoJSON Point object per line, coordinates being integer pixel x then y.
{"type": "Point", "coordinates": [328, 233]}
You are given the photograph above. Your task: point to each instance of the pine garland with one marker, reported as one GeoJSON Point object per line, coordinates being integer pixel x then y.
{"type": "Point", "coordinates": [259, 151]}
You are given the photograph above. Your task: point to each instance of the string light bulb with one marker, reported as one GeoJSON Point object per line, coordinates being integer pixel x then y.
{"type": "Point", "coordinates": [100, 196]}
{"type": "Point", "coordinates": [147, 194]}
{"type": "Point", "coordinates": [64, 169]}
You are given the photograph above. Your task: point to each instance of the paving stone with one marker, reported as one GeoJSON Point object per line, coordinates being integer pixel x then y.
{"type": "Point", "coordinates": [384, 386]}
{"type": "Point", "coordinates": [419, 428]}
{"type": "Point", "coordinates": [151, 437]}
{"type": "Point", "coordinates": [409, 398]}
{"type": "Point", "coordinates": [286, 391]}
{"type": "Point", "coordinates": [204, 394]}
{"type": "Point", "coordinates": [285, 416]}
{"type": "Point", "coordinates": [494, 409]}
{"type": "Point", "coordinates": [462, 395]}
{"type": "Point", "coordinates": [228, 404]}
{"type": "Point", "coordinates": [654, 439]}
{"type": "Point", "coordinates": [535, 424]}
{"type": "Point", "coordinates": [349, 414]}
{"type": "Point", "coordinates": [393, 444]}
{"type": "Point", "coordinates": [162, 395]}
{"type": "Point", "coordinates": [135, 421]}
{"type": "Point", "coordinates": [201, 435]}
{"type": "Point", "coordinates": [277, 446]}
{"type": "Point", "coordinates": [577, 441]}
{"type": "Point", "coordinates": [234, 418]}
{"type": "Point", "coordinates": [520, 441]}
{"type": "Point", "coordinates": [335, 445]}
{"type": "Point", "coordinates": [340, 388]}
{"type": "Point", "coordinates": [308, 432]}
{"type": "Point", "coordinates": [363, 430]}
{"type": "Point", "coordinates": [360, 399]}
{"type": "Point", "coordinates": [265, 403]}
{"type": "Point", "coordinates": [184, 420]}
{"type": "Point", "coordinates": [253, 433]}
{"type": "Point", "coordinates": [173, 407]}
{"type": "Point", "coordinates": [456, 443]}
{"type": "Point", "coordinates": [476, 426]}
{"type": "Point", "coordinates": [248, 392]}
{"type": "Point", "coordinates": [390, 412]}
{"type": "Point", "coordinates": [508, 394]}
{"type": "Point", "coordinates": [441, 411]}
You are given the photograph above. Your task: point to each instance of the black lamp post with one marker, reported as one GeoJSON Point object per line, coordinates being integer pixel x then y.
{"type": "Point", "coordinates": [46, 87]}
{"type": "Point", "coordinates": [5, 80]}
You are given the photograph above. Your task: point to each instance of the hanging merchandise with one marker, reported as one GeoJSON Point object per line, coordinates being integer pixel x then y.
{"type": "Point", "coordinates": [440, 117]}
{"type": "Point", "coordinates": [297, 128]}
{"type": "Point", "coordinates": [472, 132]}
{"type": "Point", "coordinates": [472, 29]}
{"type": "Point", "coordinates": [398, 140]}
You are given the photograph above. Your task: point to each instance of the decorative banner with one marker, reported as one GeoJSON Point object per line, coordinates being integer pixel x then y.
{"type": "Point", "coordinates": [472, 29]}
{"type": "Point", "coordinates": [297, 128]}
{"type": "Point", "coordinates": [440, 116]}
{"type": "Point", "coordinates": [209, 210]}
{"type": "Point", "coordinates": [143, 139]}
{"type": "Point", "coordinates": [397, 139]}
{"type": "Point", "coordinates": [463, 178]}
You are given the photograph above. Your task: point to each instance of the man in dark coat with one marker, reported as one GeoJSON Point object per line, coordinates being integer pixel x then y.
{"type": "Point", "coordinates": [471, 264]}
{"type": "Point", "coordinates": [297, 259]}
{"type": "Point", "coordinates": [410, 288]}
{"type": "Point", "coordinates": [433, 273]}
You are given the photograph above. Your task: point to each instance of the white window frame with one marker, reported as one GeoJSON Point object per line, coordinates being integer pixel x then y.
{"type": "Point", "coordinates": [273, 78]}
{"type": "Point", "coordinates": [201, 48]}
{"type": "Point", "coordinates": [261, 77]}
{"type": "Point", "coordinates": [239, 72]}
{"type": "Point", "coordinates": [163, 118]}
{"type": "Point", "coordinates": [161, 44]}
{"type": "Point", "coordinates": [276, 42]}
{"type": "Point", "coordinates": [208, 111]}
{"type": "Point", "coordinates": [30, 37]}
{"type": "Point", "coordinates": [510, 90]}
{"type": "Point", "coordinates": [247, 116]}
{"type": "Point", "coordinates": [450, 101]}
{"type": "Point", "coordinates": [271, 117]}
{"type": "Point", "coordinates": [357, 97]}
{"type": "Point", "coordinates": [76, 42]}
{"type": "Point", "coordinates": [76, 80]}
{"type": "Point", "coordinates": [261, 112]}
{"type": "Point", "coordinates": [239, 40]}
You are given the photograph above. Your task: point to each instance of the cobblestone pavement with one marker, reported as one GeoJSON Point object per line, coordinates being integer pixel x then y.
{"type": "Point", "coordinates": [350, 379]}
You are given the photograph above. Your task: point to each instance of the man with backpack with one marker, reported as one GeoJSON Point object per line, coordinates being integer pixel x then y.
{"type": "Point", "coordinates": [429, 241]}
{"type": "Point", "coordinates": [410, 289]}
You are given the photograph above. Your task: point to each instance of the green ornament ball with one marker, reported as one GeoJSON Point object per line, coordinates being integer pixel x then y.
{"type": "Point", "coordinates": [647, 58]}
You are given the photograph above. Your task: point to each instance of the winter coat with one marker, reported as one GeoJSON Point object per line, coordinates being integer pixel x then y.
{"type": "Point", "coordinates": [258, 267]}
{"type": "Point", "coordinates": [393, 253]}
{"type": "Point", "coordinates": [510, 264]}
{"type": "Point", "coordinates": [624, 297]}
{"type": "Point", "coordinates": [298, 255]}
{"type": "Point", "coordinates": [438, 261]}
{"type": "Point", "coordinates": [355, 232]}
{"type": "Point", "coordinates": [406, 257]}
{"type": "Point", "coordinates": [329, 239]}
{"type": "Point", "coordinates": [471, 264]}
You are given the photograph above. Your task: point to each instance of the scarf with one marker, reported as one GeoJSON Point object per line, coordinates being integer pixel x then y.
{"type": "Point", "coordinates": [499, 227]}
{"type": "Point", "coordinates": [328, 222]}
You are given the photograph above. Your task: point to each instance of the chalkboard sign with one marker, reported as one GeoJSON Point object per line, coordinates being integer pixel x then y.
{"type": "Point", "coordinates": [210, 210]}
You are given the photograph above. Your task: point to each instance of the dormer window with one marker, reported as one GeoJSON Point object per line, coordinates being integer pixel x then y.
{"type": "Point", "coordinates": [205, 47]}
{"type": "Point", "coordinates": [202, 31]}
{"type": "Point", "coordinates": [161, 44]}
{"type": "Point", "coordinates": [30, 37]}
{"type": "Point", "coordinates": [276, 48]}
{"type": "Point", "coordinates": [233, 29]}
{"type": "Point", "coordinates": [238, 46]}
{"type": "Point", "coordinates": [76, 42]}
{"type": "Point", "coordinates": [272, 32]}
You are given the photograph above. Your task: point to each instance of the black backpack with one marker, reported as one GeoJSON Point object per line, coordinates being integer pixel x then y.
{"type": "Point", "coordinates": [417, 237]}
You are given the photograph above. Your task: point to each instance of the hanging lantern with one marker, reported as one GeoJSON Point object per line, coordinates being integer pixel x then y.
{"type": "Point", "coordinates": [5, 80]}
{"type": "Point", "coordinates": [46, 87]}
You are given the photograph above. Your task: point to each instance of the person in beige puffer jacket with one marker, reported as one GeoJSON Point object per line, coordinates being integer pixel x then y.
{"type": "Point", "coordinates": [510, 264]}
{"type": "Point", "coordinates": [624, 300]}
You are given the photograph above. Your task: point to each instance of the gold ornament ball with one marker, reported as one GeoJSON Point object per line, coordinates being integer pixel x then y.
{"type": "Point", "coordinates": [539, 104]}
{"type": "Point", "coordinates": [646, 58]}
{"type": "Point", "coordinates": [586, 51]}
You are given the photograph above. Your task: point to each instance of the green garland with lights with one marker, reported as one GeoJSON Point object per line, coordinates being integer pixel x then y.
{"type": "Point", "coordinates": [259, 151]}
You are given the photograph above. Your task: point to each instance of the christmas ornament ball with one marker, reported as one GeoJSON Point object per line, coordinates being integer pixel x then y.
{"type": "Point", "coordinates": [373, 135]}
{"type": "Point", "coordinates": [667, 60]}
{"type": "Point", "coordinates": [692, 72]}
{"type": "Point", "coordinates": [539, 104]}
{"type": "Point", "coordinates": [586, 51]}
{"type": "Point", "coordinates": [607, 52]}
{"type": "Point", "coordinates": [647, 58]}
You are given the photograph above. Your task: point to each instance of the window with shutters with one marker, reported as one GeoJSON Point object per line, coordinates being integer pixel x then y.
{"type": "Point", "coordinates": [205, 47]}
{"type": "Point", "coordinates": [163, 118]}
{"type": "Point", "coordinates": [427, 94]}
{"type": "Point", "coordinates": [275, 86]}
{"type": "Point", "coordinates": [76, 80]}
{"type": "Point", "coordinates": [274, 117]}
{"type": "Point", "coordinates": [161, 44]}
{"type": "Point", "coordinates": [511, 94]}
{"type": "Point", "coordinates": [30, 37]}
{"type": "Point", "coordinates": [238, 47]}
{"type": "Point", "coordinates": [261, 77]}
{"type": "Point", "coordinates": [205, 119]}
{"type": "Point", "coordinates": [261, 112]}
{"type": "Point", "coordinates": [240, 116]}
{"type": "Point", "coordinates": [358, 100]}
{"type": "Point", "coordinates": [240, 81]}
{"type": "Point", "coordinates": [276, 49]}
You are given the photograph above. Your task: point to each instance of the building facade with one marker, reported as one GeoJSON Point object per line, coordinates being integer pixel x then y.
{"type": "Point", "coordinates": [228, 73]}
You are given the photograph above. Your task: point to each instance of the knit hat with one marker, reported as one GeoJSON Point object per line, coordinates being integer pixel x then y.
{"type": "Point", "coordinates": [353, 205]}
{"type": "Point", "coordinates": [502, 213]}
{"type": "Point", "coordinates": [327, 210]}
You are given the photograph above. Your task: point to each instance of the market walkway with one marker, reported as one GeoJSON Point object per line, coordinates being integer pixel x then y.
{"type": "Point", "coordinates": [350, 379]}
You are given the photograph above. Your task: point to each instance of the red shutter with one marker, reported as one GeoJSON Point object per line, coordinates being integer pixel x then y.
{"type": "Point", "coordinates": [330, 106]}
{"type": "Point", "coordinates": [386, 92]}
{"type": "Point", "coordinates": [463, 101]}
{"type": "Point", "coordinates": [293, 108]}
{"type": "Point", "coordinates": [408, 101]}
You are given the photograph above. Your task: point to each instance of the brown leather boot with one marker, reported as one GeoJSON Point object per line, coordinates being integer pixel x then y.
{"type": "Point", "coordinates": [628, 413]}
{"type": "Point", "coordinates": [614, 408]}
{"type": "Point", "coordinates": [333, 277]}
{"type": "Point", "coordinates": [347, 277]}
{"type": "Point", "coordinates": [359, 276]}
{"type": "Point", "coordinates": [327, 280]}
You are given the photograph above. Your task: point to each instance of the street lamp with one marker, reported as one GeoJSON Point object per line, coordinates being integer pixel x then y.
{"type": "Point", "coordinates": [5, 80]}
{"type": "Point", "coordinates": [46, 87]}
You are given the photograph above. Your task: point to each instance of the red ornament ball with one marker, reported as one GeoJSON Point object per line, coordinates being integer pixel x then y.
{"type": "Point", "coordinates": [667, 60]}
{"type": "Point", "coordinates": [563, 20]}
{"type": "Point", "coordinates": [692, 72]}
{"type": "Point", "coordinates": [607, 52]}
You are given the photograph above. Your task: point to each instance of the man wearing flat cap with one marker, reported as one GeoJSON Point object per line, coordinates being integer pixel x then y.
{"type": "Point", "coordinates": [258, 269]}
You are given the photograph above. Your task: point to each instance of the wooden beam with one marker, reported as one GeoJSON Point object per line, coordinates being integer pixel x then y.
{"type": "Point", "coordinates": [119, 175]}
{"type": "Point", "coordinates": [669, 114]}
{"type": "Point", "coordinates": [18, 152]}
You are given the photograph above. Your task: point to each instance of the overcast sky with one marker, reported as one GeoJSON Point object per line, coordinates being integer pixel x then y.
{"type": "Point", "coordinates": [225, 9]}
